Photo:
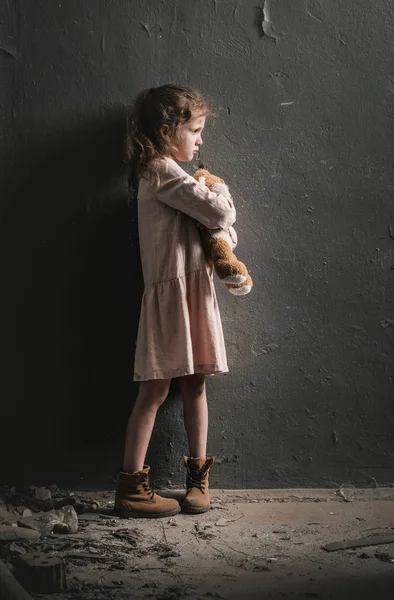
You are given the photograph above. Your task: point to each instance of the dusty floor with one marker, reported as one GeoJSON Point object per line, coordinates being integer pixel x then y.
{"type": "Point", "coordinates": [250, 545]}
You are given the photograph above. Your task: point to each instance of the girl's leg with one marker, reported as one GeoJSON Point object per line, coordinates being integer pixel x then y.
{"type": "Point", "coordinates": [195, 410]}
{"type": "Point", "coordinates": [142, 419]}
{"type": "Point", "coordinates": [195, 413]}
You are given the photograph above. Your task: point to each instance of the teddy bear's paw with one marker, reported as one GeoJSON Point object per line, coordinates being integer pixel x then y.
{"type": "Point", "coordinates": [234, 279]}
{"type": "Point", "coordinates": [202, 180]}
{"type": "Point", "coordinates": [240, 291]}
{"type": "Point", "coordinates": [221, 188]}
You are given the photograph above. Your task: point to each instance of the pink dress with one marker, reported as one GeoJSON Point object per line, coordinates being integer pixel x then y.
{"type": "Point", "coordinates": [180, 331]}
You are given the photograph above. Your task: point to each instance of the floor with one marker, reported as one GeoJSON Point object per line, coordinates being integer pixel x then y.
{"type": "Point", "coordinates": [251, 545]}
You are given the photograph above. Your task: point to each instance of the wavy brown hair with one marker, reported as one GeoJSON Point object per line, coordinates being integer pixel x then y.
{"type": "Point", "coordinates": [170, 105]}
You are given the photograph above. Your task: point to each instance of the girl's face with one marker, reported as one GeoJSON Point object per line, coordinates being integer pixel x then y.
{"type": "Point", "coordinates": [188, 139]}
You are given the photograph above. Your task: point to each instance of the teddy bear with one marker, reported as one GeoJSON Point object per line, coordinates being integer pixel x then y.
{"type": "Point", "coordinates": [219, 244]}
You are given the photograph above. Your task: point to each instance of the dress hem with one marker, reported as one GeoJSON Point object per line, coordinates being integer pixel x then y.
{"type": "Point", "coordinates": [172, 373]}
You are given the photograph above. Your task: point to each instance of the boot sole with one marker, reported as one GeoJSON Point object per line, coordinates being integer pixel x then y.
{"type": "Point", "coordinates": [194, 511]}
{"type": "Point", "coordinates": [129, 514]}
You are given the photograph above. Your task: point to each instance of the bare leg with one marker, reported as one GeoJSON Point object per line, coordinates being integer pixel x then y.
{"type": "Point", "coordinates": [195, 413]}
{"type": "Point", "coordinates": [142, 419]}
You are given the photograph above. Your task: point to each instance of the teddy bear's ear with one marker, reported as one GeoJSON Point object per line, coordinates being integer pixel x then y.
{"type": "Point", "coordinates": [201, 173]}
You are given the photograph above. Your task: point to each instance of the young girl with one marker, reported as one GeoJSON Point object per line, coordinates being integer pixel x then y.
{"type": "Point", "coordinates": [180, 333]}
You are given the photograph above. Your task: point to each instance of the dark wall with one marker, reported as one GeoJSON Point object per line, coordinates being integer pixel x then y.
{"type": "Point", "coordinates": [303, 93]}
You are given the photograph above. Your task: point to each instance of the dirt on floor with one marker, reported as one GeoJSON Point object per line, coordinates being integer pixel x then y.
{"type": "Point", "coordinates": [250, 545]}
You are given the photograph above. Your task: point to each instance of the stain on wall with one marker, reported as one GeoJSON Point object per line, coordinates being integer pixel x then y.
{"type": "Point", "coordinates": [303, 127]}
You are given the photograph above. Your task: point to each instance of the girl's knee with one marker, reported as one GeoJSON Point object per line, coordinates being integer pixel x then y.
{"type": "Point", "coordinates": [193, 384]}
{"type": "Point", "coordinates": [154, 392]}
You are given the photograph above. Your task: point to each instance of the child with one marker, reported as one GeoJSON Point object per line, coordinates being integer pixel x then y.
{"type": "Point", "coordinates": [180, 333]}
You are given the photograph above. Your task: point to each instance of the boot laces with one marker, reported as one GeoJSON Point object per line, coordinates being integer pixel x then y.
{"type": "Point", "coordinates": [196, 479]}
{"type": "Point", "coordinates": [147, 488]}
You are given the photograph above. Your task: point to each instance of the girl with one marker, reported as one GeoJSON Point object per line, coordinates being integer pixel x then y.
{"type": "Point", "coordinates": [180, 333]}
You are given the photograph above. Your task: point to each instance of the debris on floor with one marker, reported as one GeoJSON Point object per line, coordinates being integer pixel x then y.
{"type": "Point", "coordinates": [64, 520]}
{"type": "Point", "coordinates": [347, 492]}
{"type": "Point", "coordinates": [41, 573]}
{"type": "Point", "coordinates": [74, 547]}
{"type": "Point", "coordinates": [372, 540]}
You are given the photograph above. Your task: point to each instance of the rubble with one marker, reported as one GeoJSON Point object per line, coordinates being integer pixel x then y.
{"type": "Point", "coordinates": [32, 497]}
{"type": "Point", "coordinates": [40, 573]}
{"type": "Point", "coordinates": [64, 520]}
{"type": "Point", "coordinates": [385, 556]}
{"type": "Point", "coordinates": [10, 534]}
{"type": "Point", "coordinates": [7, 518]}
{"type": "Point", "coordinates": [9, 588]}
{"type": "Point", "coordinates": [23, 511]}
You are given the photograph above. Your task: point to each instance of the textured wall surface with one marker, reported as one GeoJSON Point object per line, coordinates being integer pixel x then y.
{"type": "Point", "coordinates": [303, 93]}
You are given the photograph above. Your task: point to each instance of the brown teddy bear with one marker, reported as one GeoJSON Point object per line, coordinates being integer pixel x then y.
{"type": "Point", "coordinates": [219, 244]}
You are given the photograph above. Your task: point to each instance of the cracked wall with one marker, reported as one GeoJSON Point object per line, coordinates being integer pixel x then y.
{"type": "Point", "coordinates": [303, 96]}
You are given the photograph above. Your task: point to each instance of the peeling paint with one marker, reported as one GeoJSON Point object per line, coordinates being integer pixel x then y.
{"type": "Point", "coordinates": [387, 323]}
{"type": "Point", "coordinates": [9, 51]}
{"type": "Point", "coordinates": [146, 28]}
{"type": "Point", "coordinates": [267, 25]}
{"type": "Point", "coordinates": [220, 460]}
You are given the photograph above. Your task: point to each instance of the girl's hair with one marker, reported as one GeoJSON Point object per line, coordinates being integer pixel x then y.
{"type": "Point", "coordinates": [170, 105]}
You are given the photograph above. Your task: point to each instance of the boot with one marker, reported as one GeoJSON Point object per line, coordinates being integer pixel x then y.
{"type": "Point", "coordinates": [197, 496]}
{"type": "Point", "coordinates": [134, 498]}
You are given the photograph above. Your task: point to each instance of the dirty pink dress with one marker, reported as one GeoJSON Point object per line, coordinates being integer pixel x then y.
{"type": "Point", "coordinates": [180, 331]}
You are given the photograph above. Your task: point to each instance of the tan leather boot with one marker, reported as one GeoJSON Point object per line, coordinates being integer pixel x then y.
{"type": "Point", "coordinates": [135, 499]}
{"type": "Point", "coordinates": [197, 498]}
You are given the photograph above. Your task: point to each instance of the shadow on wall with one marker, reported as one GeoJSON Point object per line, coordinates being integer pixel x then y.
{"type": "Point", "coordinates": [71, 292]}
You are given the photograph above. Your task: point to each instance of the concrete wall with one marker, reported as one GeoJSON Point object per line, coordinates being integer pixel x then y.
{"type": "Point", "coordinates": [303, 92]}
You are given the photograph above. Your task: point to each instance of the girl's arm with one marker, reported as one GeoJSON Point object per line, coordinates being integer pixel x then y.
{"type": "Point", "coordinates": [182, 192]}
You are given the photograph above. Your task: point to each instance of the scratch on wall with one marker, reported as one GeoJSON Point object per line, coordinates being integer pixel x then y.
{"type": "Point", "coordinates": [173, 24]}
{"type": "Point", "coordinates": [267, 25]}
{"type": "Point", "coordinates": [103, 41]}
{"type": "Point", "coordinates": [308, 12]}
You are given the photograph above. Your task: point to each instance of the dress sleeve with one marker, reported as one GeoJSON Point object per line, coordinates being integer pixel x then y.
{"type": "Point", "coordinates": [181, 191]}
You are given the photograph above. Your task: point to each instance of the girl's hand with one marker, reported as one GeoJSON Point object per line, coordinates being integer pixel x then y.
{"type": "Point", "coordinates": [233, 235]}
